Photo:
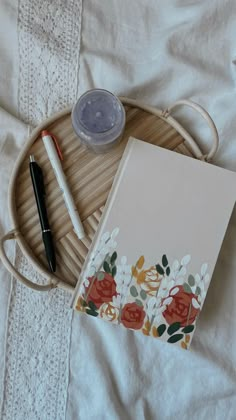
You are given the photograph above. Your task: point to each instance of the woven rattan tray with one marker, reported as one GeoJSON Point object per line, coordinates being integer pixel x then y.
{"type": "Point", "coordinates": [90, 178]}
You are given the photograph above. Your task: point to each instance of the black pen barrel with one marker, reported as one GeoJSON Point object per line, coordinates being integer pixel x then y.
{"type": "Point", "coordinates": [38, 185]}
{"type": "Point", "coordinates": [49, 248]}
{"type": "Point", "coordinates": [39, 192]}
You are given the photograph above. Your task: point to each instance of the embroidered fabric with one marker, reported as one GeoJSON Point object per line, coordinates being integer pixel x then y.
{"type": "Point", "coordinates": [39, 325]}
{"type": "Point", "coordinates": [49, 46]}
{"type": "Point", "coordinates": [37, 353]}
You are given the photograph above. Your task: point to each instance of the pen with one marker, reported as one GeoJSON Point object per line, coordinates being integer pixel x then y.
{"type": "Point", "coordinates": [39, 192]}
{"type": "Point", "coordinates": [53, 151]}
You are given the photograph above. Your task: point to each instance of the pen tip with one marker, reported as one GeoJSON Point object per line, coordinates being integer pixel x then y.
{"type": "Point", "coordinates": [52, 266]}
{"type": "Point", "coordinates": [31, 158]}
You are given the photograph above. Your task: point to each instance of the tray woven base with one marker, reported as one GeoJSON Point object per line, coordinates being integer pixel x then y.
{"type": "Point", "coordinates": [90, 177]}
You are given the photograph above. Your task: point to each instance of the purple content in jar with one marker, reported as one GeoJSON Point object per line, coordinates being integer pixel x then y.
{"type": "Point", "coordinates": [98, 118]}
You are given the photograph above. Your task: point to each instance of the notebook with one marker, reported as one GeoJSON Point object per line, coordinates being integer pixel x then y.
{"type": "Point", "coordinates": [154, 253]}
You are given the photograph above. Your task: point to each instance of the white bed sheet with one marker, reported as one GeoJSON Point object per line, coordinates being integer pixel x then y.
{"type": "Point", "coordinates": [157, 52]}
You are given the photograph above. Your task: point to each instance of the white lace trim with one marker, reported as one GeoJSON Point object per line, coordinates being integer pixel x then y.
{"type": "Point", "coordinates": [37, 353]}
{"type": "Point", "coordinates": [49, 46]}
{"type": "Point", "coordinates": [39, 326]}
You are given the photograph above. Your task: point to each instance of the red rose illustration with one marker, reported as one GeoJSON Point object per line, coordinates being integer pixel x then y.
{"type": "Point", "coordinates": [132, 316]}
{"type": "Point", "coordinates": [181, 308]}
{"type": "Point", "coordinates": [101, 291]}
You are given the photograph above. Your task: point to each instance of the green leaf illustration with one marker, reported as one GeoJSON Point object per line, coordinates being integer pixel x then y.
{"type": "Point", "coordinates": [143, 294]}
{"type": "Point", "coordinates": [187, 288]}
{"type": "Point", "coordinates": [100, 275]}
{"type": "Point", "coordinates": [164, 261]}
{"type": "Point", "coordinates": [106, 267]}
{"type": "Point", "coordinates": [133, 291]}
{"type": "Point", "coordinates": [191, 280]}
{"type": "Point", "coordinates": [161, 329]}
{"type": "Point", "coordinates": [113, 271]}
{"type": "Point", "coordinates": [174, 338]}
{"type": "Point", "coordinates": [113, 257]}
{"type": "Point", "coordinates": [168, 271]}
{"type": "Point", "coordinates": [84, 303]}
{"type": "Point", "coordinates": [173, 328]}
{"type": "Point", "coordinates": [92, 305]}
{"type": "Point", "coordinates": [90, 312]}
{"type": "Point", "coordinates": [159, 269]}
{"type": "Point", "coordinates": [198, 290]}
{"type": "Point", "coordinates": [139, 303]}
{"type": "Point", "coordinates": [188, 329]}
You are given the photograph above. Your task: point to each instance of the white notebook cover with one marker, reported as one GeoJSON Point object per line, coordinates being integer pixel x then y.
{"type": "Point", "coordinates": [153, 256]}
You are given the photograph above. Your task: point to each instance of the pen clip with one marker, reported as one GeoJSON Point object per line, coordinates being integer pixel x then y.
{"type": "Point", "coordinates": [46, 133]}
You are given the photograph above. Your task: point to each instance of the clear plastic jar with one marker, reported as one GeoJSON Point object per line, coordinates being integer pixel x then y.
{"type": "Point", "coordinates": [98, 118]}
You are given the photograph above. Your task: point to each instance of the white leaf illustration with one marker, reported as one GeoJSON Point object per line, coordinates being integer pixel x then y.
{"type": "Point", "coordinates": [104, 251]}
{"type": "Point", "coordinates": [195, 303]}
{"type": "Point", "coordinates": [206, 278]}
{"type": "Point", "coordinates": [123, 260]}
{"type": "Point", "coordinates": [174, 291]}
{"type": "Point", "coordinates": [197, 279]}
{"type": "Point", "coordinates": [127, 278]}
{"type": "Point", "coordinates": [175, 265]}
{"type": "Point", "coordinates": [163, 293]}
{"type": "Point", "coordinates": [160, 309]}
{"type": "Point", "coordinates": [164, 282]}
{"type": "Point", "coordinates": [171, 284]}
{"type": "Point", "coordinates": [115, 233]}
{"type": "Point", "coordinates": [194, 289]}
{"type": "Point", "coordinates": [183, 271]}
{"type": "Point", "coordinates": [86, 282]}
{"type": "Point", "coordinates": [203, 295]}
{"type": "Point", "coordinates": [167, 301]}
{"type": "Point", "coordinates": [118, 277]}
{"type": "Point", "coordinates": [150, 306]}
{"type": "Point", "coordinates": [82, 289]}
{"type": "Point", "coordinates": [105, 236]}
{"type": "Point", "coordinates": [90, 272]}
{"type": "Point", "coordinates": [157, 319]}
{"type": "Point", "coordinates": [180, 281]}
{"type": "Point", "coordinates": [185, 260]}
{"type": "Point", "coordinates": [204, 269]}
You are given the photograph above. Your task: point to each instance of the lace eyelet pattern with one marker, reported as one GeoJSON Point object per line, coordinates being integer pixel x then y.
{"type": "Point", "coordinates": [37, 351]}
{"type": "Point", "coordinates": [49, 48]}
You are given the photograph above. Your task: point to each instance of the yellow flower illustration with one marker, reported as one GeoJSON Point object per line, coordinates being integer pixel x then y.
{"type": "Point", "coordinates": [149, 279]}
{"type": "Point", "coordinates": [79, 305]}
{"type": "Point", "coordinates": [109, 312]}
{"type": "Point", "coordinates": [146, 328]}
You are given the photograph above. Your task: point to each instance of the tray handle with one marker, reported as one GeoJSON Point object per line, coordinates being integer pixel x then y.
{"type": "Point", "coordinates": [166, 114]}
{"type": "Point", "coordinates": [10, 267]}
{"type": "Point", "coordinates": [215, 143]}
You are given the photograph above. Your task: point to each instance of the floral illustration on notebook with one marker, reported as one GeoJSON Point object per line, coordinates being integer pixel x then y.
{"type": "Point", "coordinates": [161, 300]}
{"type": "Point", "coordinates": [155, 250]}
